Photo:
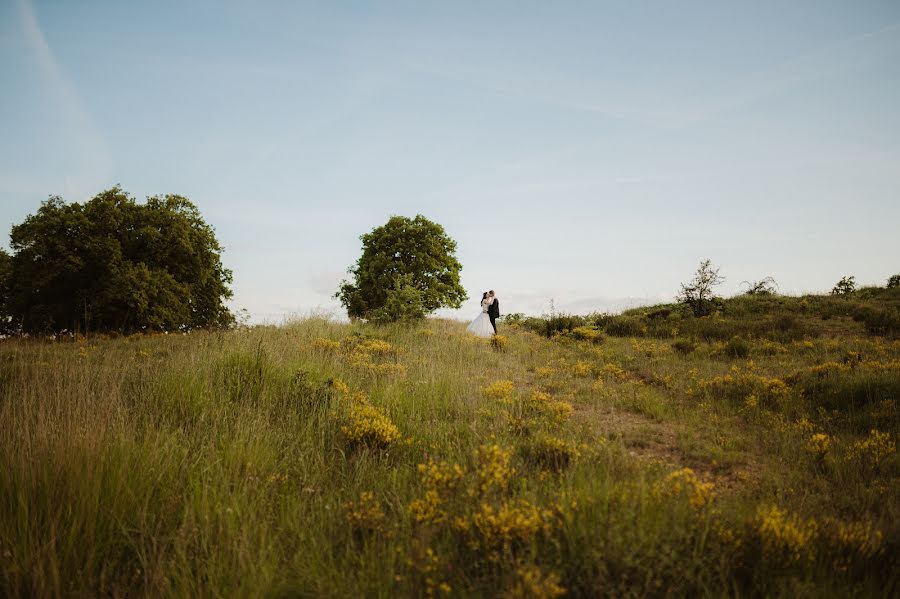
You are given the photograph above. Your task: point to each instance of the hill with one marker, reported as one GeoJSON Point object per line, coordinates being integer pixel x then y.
{"type": "Point", "coordinates": [751, 453]}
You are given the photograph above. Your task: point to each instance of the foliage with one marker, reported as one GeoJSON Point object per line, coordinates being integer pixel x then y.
{"type": "Point", "coordinates": [846, 286]}
{"type": "Point", "coordinates": [5, 272]}
{"type": "Point", "coordinates": [736, 347]}
{"type": "Point", "coordinates": [112, 264]}
{"type": "Point", "coordinates": [403, 301]}
{"type": "Point", "coordinates": [766, 286]}
{"type": "Point", "coordinates": [893, 282]}
{"type": "Point", "coordinates": [403, 261]}
{"type": "Point", "coordinates": [698, 293]}
{"type": "Point", "coordinates": [556, 467]}
{"type": "Point", "coordinates": [684, 346]}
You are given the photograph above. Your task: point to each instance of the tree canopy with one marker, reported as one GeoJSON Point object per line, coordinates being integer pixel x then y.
{"type": "Point", "coordinates": [114, 264]}
{"type": "Point", "coordinates": [698, 293]}
{"type": "Point", "coordinates": [408, 268]}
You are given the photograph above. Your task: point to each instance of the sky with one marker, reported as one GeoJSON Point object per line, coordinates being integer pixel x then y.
{"type": "Point", "coordinates": [585, 153]}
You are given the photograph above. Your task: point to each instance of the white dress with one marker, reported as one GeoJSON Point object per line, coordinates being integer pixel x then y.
{"type": "Point", "coordinates": [481, 326]}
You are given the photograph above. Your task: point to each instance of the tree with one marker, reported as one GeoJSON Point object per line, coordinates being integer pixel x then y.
{"type": "Point", "coordinates": [5, 268]}
{"type": "Point", "coordinates": [845, 286]}
{"type": "Point", "coordinates": [114, 264]}
{"type": "Point", "coordinates": [408, 269]}
{"type": "Point", "coordinates": [698, 292]}
{"type": "Point", "coordinates": [893, 281]}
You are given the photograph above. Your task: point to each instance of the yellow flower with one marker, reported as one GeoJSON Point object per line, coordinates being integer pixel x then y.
{"type": "Point", "coordinates": [818, 445]}
{"type": "Point", "coordinates": [874, 449]}
{"type": "Point", "coordinates": [784, 536]}
{"type": "Point", "coordinates": [366, 425]}
{"type": "Point", "coordinates": [365, 513]}
{"type": "Point", "coordinates": [532, 583]}
{"type": "Point", "coordinates": [685, 482]}
{"type": "Point", "coordinates": [498, 390]}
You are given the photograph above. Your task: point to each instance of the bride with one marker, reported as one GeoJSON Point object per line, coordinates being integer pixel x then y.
{"type": "Point", "coordinates": [481, 326]}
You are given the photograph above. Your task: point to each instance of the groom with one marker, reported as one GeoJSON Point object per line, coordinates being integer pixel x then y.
{"type": "Point", "coordinates": [494, 310]}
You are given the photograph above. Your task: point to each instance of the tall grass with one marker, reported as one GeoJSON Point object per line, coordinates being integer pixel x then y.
{"type": "Point", "coordinates": [262, 462]}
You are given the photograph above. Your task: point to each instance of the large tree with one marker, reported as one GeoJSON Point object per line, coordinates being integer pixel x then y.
{"type": "Point", "coordinates": [408, 268]}
{"type": "Point", "coordinates": [114, 264]}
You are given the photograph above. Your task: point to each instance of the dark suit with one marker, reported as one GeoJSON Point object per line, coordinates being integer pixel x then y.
{"type": "Point", "coordinates": [494, 313]}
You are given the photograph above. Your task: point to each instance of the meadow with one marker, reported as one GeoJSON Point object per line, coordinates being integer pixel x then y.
{"type": "Point", "coordinates": [751, 453]}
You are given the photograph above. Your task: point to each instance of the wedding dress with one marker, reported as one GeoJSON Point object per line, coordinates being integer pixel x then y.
{"type": "Point", "coordinates": [481, 326]}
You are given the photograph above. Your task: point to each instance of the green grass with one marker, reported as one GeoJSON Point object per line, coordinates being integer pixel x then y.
{"type": "Point", "coordinates": [221, 464]}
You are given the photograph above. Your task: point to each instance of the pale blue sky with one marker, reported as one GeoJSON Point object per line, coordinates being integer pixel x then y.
{"type": "Point", "coordinates": [584, 151]}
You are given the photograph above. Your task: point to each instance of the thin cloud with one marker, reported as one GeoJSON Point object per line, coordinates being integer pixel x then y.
{"type": "Point", "coordinates": [94, 156]}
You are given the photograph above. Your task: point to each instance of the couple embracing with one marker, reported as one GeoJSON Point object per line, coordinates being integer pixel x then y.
{"type": "Point", "coordinates": [485, 324]}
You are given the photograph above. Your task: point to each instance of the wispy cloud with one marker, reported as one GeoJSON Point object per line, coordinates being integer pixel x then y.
{"type": "Point", "coordinates": [91, 160]}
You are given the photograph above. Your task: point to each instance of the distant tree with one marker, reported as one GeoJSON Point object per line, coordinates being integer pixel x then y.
{"type": "Point", "coordinates": [893, 282]}
{"type": "Point", "coordinates": [766, 286]}
{"type": "Point", "coordinates": [845, 286]}
{"type": "Point", "coordinates": [408, 269]}
{"type": "Point", "coordinates": [698, 293]}
{"type": "Point", "coordinates": [114, 264]}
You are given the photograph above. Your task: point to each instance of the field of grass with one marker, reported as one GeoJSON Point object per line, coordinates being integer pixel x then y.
{"type": "Point", "coordinates": [346, 460]}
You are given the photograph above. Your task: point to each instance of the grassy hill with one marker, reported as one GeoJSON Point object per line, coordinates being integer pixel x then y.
{"type": "Point", "coordinates": [750, 453]}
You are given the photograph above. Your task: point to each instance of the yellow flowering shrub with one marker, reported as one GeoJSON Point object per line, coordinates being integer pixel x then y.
{"type": "Point", "coordinates": [685, 483]}
{"type": "Point", "coordinates": [740, 383]}
{"type": "Point", "coordinates": [326, 345]}
{"type": "Point", "coordinates": [785, 537]}
{"type": "Point", "coordinates": [518, 521]}
{"type": "Point", "coordinates": [587, 334]}
{"type": "Point", "coordinates": [428, 509]}
{"type": "Point", "coordinates": [498, 390]}
{"type": "Point", "coordinates": [545, 372]}
{"type": "Point", "coordinates": [818, 445]}
{"type": "Point", "coordinates": [365, 513]}
{"type": "Point", "coordinates": [551, 453]}
{"type": "Point", "coordinates": [544, 405]}
{"type": "Point", "coordinates": [532, 583]}
{"type": "Point", "coordinates": [493, 468]}
{"type": "Point", "coordinates": [498, 342]}
{"type": "Point", "coordinates": [582, 368]}
{"type": "Point", "coordinates": [613, 372]}
{"type": "Point", "coordinates": [874, 449]}
{"type": "Point", "coordinates": [366, 425]}
{"type": "Point", "coordinates": [853, 542]}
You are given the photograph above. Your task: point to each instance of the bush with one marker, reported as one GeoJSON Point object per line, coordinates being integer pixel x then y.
{"type": "Point", "coordinates": [893, 282]}
{"type": "Point", "coordinates": [736, 347]}
{"type": "Point", "coordinates": [587, 334]}
{"type": "Point", "coordinates": [498, 342]}
{"type": "Point", "coordinates": [625, 326]}
{"type": "Point", "coordinates": [684, 346]}
{"type": "Point", "coordinates": [846, 286]}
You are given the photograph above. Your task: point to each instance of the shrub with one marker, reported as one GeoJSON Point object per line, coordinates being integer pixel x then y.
{"type": "Point", "coordinates": [587, 334]}
{"type": "Point", "coordinates": [367, 426]}
{"type": "Point", "coordinates": [498, 342]}
{"type": "Point", "coordinates": [846, 286]}
{"type": "Point", "coordinates": [840, 386]}
{"type": "Point", "coordinates": [684, 346]}
{"type": "Point", "coordinates": [626, 326]}
{"type": "Point", "coordinates": [736, 347]}
{"type": "Point", "coordinates": [893, 282]}
{"type": "Point", "coordinates": [550, 453]}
